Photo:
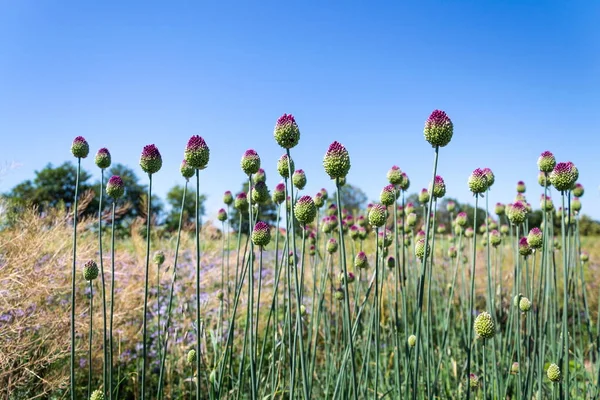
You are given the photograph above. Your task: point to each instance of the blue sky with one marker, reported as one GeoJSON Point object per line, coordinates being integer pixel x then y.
{"type": "Point", "coordinates": [516, 77]}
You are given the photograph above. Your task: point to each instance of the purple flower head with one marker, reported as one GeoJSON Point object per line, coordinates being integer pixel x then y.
{"type": "Point", "coordinates": [420, 248]}
{"type": "Point", "coordinates": [546, 162]}
{"type": "Point", "coordinates": [564, 175]}
{"type": "Point", "coordinates": [441, 229]}
{"type": "Point", "coordinates": [90, 270]}
{"type": "Point", "coordinates": [424, 196]}
{"type": "Point", "coordinates": [197, 152]}
{"type": "Point", "coordinates": [439, 187]}
{"type": "Point", "coordinates": [318, 199]}
{"type": "Point", "coordinates": [495, 238]}
{"type": "Point", "coordinates": [305, 210]}
{"type": "Point", "coordinates": [489, 175]}
{"type": "Point", "coordinates": [388, 195]}
{"type": "Point", "coordinates": [241, 202]}
{"type": "Point", "coordinates": [354, 232]}
{"type": "Point", "coordinates": [286, 133]}
{"type": "Point", "coordinates": [524, 248]}
{"type": "Point", "coordinates": [361, 261]}
{"type": "Point", "coordinates": [521, 187]}
{"type": "Point", "coordinates": [331, 210]}
{"type": "Point", "coordinates": [332, 245]}
{"type": "Point", "coordinates": [186, 171]}
{"type": "Point", "coordinates": [278, 196]}
{"type": "Point", "coordinates": [227, 198]}
{"type": "Point", "coordinates": [103, 158]}
{"type": "Point", "coordinates": [578, 190]}
{"type": "Point", "coordinates": [336, 161]}
{"type": "Point", "coordinates": [478, 181]}
{"type": "Point", "coordinates": [115, 188]}
{"type": "Point", "coordinates": [261, 234]}
{"type": "Point", "coordinates": [377, 215]}
{"type": "Point", "coordinates": [409, 208]}
{"type": "Point", "coordinates": [151, 160]}
{"type": "Point", "coordinates": [80, 147]}
{"type": "Point", "coordinates": [361, 221]}
{"type": "Point", "coordinates": [516, 212]}
{"type": "Point", "coordinates": [405, 182]}
{"type": "Point", "coordinates": [299, 179]}
{"type": "Point", "coordinates": [461, 218]}
{"type": "Point", "coordinates": [411, 220]}
{"type": "Point", "coordinates": [259, 176]}
{"type": "Point", "coordinates": [250, 162]}
{"type": "Point", "coordinates": [499, 209]}
{"type": "Point", "coordinates": [469, 232]}
{"type": "Point", "coordinates": [394, 175]}
{"type": "Point", "coordinates": [222, 215]}
{"type": "Point", "coordinates": [535, 238]}
{"type": "Point", "coordinates": [324, 193]}
{"type": "Point", "coordinates": [438, 129]}
{"type": "Point", "coordinates": [450, 206]}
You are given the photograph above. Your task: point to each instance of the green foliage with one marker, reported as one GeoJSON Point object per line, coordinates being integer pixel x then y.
{"type": "Point", "coordinates": [267, 212]}
{"type": "Point", "coordinates": [174, 197]}
{"type": "Point", "coordinates": [352, 197]}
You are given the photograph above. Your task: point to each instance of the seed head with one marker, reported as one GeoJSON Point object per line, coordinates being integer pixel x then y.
{"type": "Point", "coordinates": [90, 270]}
{"type": "Point", "coordinates": [394, 175]}
{"type": "Point", "coordinates": [424, 196]}
{"type": "Point", "coordinates": [524, 248]}
{"type": "Point", "coordinates": [150, 160]}
{"type": "Point", "coordinates": [103, 159]}
{"type": "Point", "coordinates": [484, 326]}
{"type": "Point", "coordinates": [524, 304]}
{"type": "Point", "coordinates": [577, 190]}
{"type": "Point", "coordinates": [361, 261]}
{"type": "Point", "coordinates": [412, 341]}
{"type": "Point", "coordinates": [450, 206]}
{"type": "Point", "coordinates": [159, 258]}
{"type": "Point", "coordinates": [584, 257]}
{"type": "Point", "coordinates": [191, 356]}
{"type": "Point", "coordinates": [299, 179]}
{"type": "Point", "coordinates": [241, 202]}
{"type": "Point", "coordinates": [521, 187]}
{"type": "Point", "coordinates": [438, 129]}
{"type": "Point", "coordinates": [250, 162]}
{"type": "Point", "coordinates": [222, 215]}
{"type": "Point", "coordinates": [564, 175]}
{"type": "Point", "coordinates": [186, 171]}
{"type": "Point", "coordinates": [377, 215]}
{"type": "Point", "coordinates": [287, 133]}
{"type": "Point", "coordinates": [80, 147]}
{"type": "Point", "coordinates": [516, 212]}
{"type": "Point", "coordinates": [305, 210]}
{"type": "Point", "coordinates": [546, 162]}
{"type": "Point", "coordinates": [388, 195]}
{"type": "Point", "coordinates": [336, 161]}
{"type": "Point", "coordinates": [535, 239]}
{"type": "Point", "coordinates": [478, 181]}
{"type": "Point", "coordinates": [495, 238]}
{"type": "Point", "coordinates": [332, 246]}
{"type": "Point", "coordinates": [439, 188]}
{"type": "Point", "coordinates": [261, 234]}
{"type": "Point", "coordinates": [553, 373]}
{"type": "Point", "coordinates": [197, 153]}
{"type": "Point", "coordinates": [514, 369]}
{"type": "Point", "coordinates": [260, 193]}
{"type": "Point", "coordinates": [97, 395]}
{"type": "Point", "coordinates": [115, 188]}
{"type": "Point", "coordinates": [420, 248]}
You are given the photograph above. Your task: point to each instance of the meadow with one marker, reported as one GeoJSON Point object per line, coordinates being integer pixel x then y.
{"type": "Point", "coordinates": [327, 303]}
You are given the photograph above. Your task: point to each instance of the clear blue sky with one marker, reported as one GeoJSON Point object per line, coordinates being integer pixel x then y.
{"type": "Point", "coordinates": [516, 77]}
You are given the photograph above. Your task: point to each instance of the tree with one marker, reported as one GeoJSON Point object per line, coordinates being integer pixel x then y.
{"type": "Point", "coordinates": [266, 212]}
{"type": "Point", "coordinates": [174, 197]}
{"type": "Point", "coordinates": [352, 197]}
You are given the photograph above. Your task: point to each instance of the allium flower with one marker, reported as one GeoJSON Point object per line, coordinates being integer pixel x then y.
{"type": "Point", "coordinates": [484, 326]}
{"type": "Point", "coordinates": [553, 373]}
{"type": "Point", "coordinates": [499, 209]}
{"type": "Point", "coordinates": [361, 221]}
{"type": "Point", "coordinates": [391, 262]}
{"type": "Point", "coordinates": [361, 261]}
{"type": "Point", "coordinates": [97, 395]}
{"type": "Point", "coordinates": [409, 208]}
{"type": "Point", "coordinates": [394, 175]}
{"type": "Point", "coordinates": [546, 162]}
{"type": "Point", "coordinates": [478, 181]}
{"type": "Point", "coordinates": [241, 202]}
{"type": "Point", "coordinates": [584, 257]}
{"type": "Point", "coordinates": [420, 234]}
{"type": "Point", "coordinates": [339, 294]}
{"type": "Point", "coordinates": [388, 195]}
{"type": "Point", "coordinates": [324, 193]}
{"type": "Point", "coordinates": [546, 203]}
{"type": "Point", "coordinates": [228, 198]}
{"type": "Point", "coordinates": [282, 166]}
{"type": "Point", "coordinates": [514, 369]}
{"type": "Point", "coordinates": [516, 213]}
{"type": "Point", "coordinates": [473, 381]}
{"type": "Point", "coordinates": [438, 129]}
{"type": "Point", "coordinates": [159, 258]}
{"type": "Point", "coordinates": [492, 224]}
{"type": "Point", "coordinates": [576, 205]}
{"type": "Point", "coordinates": [461, 219]}
{"type": "Point", "coordinates": [261, 234]}
{"type": "Point", "coordinates": [222, 215]}
{"type": "Point", "coordinates": [412, 341]}
{"type": "Point", "coordinates": [331, 210]}
{"type": "Point", "coordinates": [385, 238]}
{"type": "Point", "coordinates": [191, 356]}
{"type": "Point", "coordinates": [287, 133]}
{"type": "Point", "coordinates": [411, 220]}
{"type": "Point", "coordinates": [350, 278]}
{"type": "Point", "coordinates": [186, 171]}
{"type": "Point", "coordinates": [495, 238]}
{"type": "Point", "coordinates": [452, 252]}
{"type": "Point", "coordinates": [450, 206]}
{"type": "Point", "coordinates": [80, 147]}
{"type": "Point", "coordinates": [377, 215]}
{"type": "Point", "coordinates": [259, 176]}
{"type": "Point", "coordinates": [299, 179]}
{"type": "Point", "coordinates": [115, 188]}
{"type": "Point", "coordinates": [543, 179]}
{"type": "Point", "coordinates": [504, 229]}
{"type": "Point", "coordinates": [196, 153]}
{"type": "Point", "coordinates": [441, 229]}
{"type": "Point", "coordinates": [292, 258]}
{"type": "Point", "coordinates": [420, 248]}
{"type": "Point", "coordinates": [318, 199]}
{"type": "Point", "coordinates": [260, 193]}
{"type": "Point", "coordinates": [577, 190]}
{"type": "Point", "coordinates": [336, 161]}
{"type": "Point", "coordinates": [521, 187]}
{"type": "Point", "coordinates": [439, 188]}
{"type": "Point", "coordinates": [103, 159]}
{"type": "Point", "coordinates": [90, 270]}
{"type": "Point", "coordinates": [489, 175]}
{"type": "Point", "coordinates": [150, 160]}
{"type": "Point", "coordinates": [407, 241]}
{"type": "Point", "coordinates": [278, 196]}
{"type": "Point", "coordinates": [564, 175]}
{"type": "Point", "coordinates": [332, 246]}
{"type": "Point", "coordinates": [312, 250]}
{"type": "Point", "coordinates": [535, 239]}
{"type": "Point", "coordinates": [349, 219]}
{"type": "Point", "coordinates": [405, 182]}
{"type": "Point", "coordinates": [524, 304]}
{"type": "Point", "coordinates": [469, 232]}
{"type": "Point", "coordinates": [424, 196]}
{"type": "Point", "coordinates": [354, 233]}
{"type": "Point", "coordinates": [458, 229]}
{"type": "Point", "coordinates": [305, 210]}
{"type": "Point", "coordinates": [524, 248]}
{"type": "Point", "coordinates": [250, 162]}
{"type": "Point", "coordinates": [363, 232]}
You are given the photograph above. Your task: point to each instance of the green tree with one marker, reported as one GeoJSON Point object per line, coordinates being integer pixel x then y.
{"type": "Point", "coordinates": [266, 212]}
{"type": "Point", "coordinates": [174, 197]}
{"type": "Point", "coordinates": [352, 197]}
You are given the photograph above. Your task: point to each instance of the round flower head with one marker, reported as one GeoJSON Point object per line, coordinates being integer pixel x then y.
{"type": "Point", "coordinates": [478, 181]}
{"type": "Point", "coordinates": [450, 206]}
{"type": "Point", "coordinates": [349, 219]}
{"type": "Point", "coordinates": [411, 220]}
{"type": "Point", "coordinates": [363, 232]}
{"type": "Point", "coordinates": [499, 209]}
{"type": "Point", "coordinates": [420, 248]}
{"type": "Point", "coordinates": [385, 238]}
{"type": "Point", "coordinates": [543, 179]}
{"type": "Point", "coordinates": [553, 373]}
{"type": "Point", "coordinates": [489, 175]}
{"type": "Point", "coordinates": [584, 257]}
{"type": "Point", "coordinates": [469, 232]}
{"type": "Point", "coordinates": [260, 193]}
{"type": "Point", "coordinates": [292, 258]}
{"type": "Point", "coordinates": [524, 304]}
{"type": "Point", "coordinates": [441, 229]}
{"type": "Point", "coordinates": [504, 229]}
{"type": "Point", "coordinates": [391, 262]}
{"type": "Point", "coordinates": [473, 381]}
{"type": "Point", "coordinates": [424, 196]}
{"type": "Point", "coordinates": [228, 198]}
{"type": "Point", "coordinates": [546, 203]}
{"type": "Point", "coordinates": [420, 234]}
{"type": "Point", "coordinates": [564, 175]}
{"type": "Point", "coordinates": [520, 187]}
{"type": "Point", "coordinates": [377, 215]}
{"type": "Point", "coordinates": [241, 202]}
{"type": "Point", "coordinates": [394, 175]}
{"type": "Point", "coordinates": [484, 326]}
{"type": "Point", "coordinates": [191, 356]}
{"type": "Point", "coordinates": [361, 261]}
{"type": "Point", "coordinates": [331, 210]}
{"type": "Point", "coordinates": [97, 395]}
{"type": "Point", "coordinates": [261, 234]}
{"type": "Point", "coordinates": [516, 213]}
{"type": "Point", "coordinates": [259, 176]}
{"type": "Point", "coordinates": [354, 233]}
{"type": "Point", "coordinates": [452, 252]}
{"type": "Point", "coordinates": [559, 213]}
{"type": "Point", "coordinates": [405, 184]}
{"type": "Point", "coordinates": [438, 129]}
{"type": "Point", "coordinates": [349, 278]}
{"type": "Point", "coordinates": [250, 162]}
{"type": "Point", "coordinates": [186, 171]}
{"type": "Point", "coordinates": [514, 369]}
{"type": "Point", "coordinates": [578, 190]}
{"type": "Point", "coordinates": [534, 238]}
{"type": "Point", "coordinates": [115, 188]}
{"type": "Point", "coordinates": [482, 228]}
{"type": "Point", "coordinates": [576, 205]}
{"type": "Point", "coordinates": [278, 196]}
{"type": "Point", "coordinates": [159, 258]}
{"type": "Point", "coordinates": [305, 210]}
{"type": "Point", "coordinates": [492, 224]}
{"type": "Point", "coordinates": [461, 219]}
{"type": "Point", "coordinates": [222, 215]}
{"type": "Point", "coordinates": [150, 160]}
{"type": "Point", "coordinates": [546, 162]}
{"type": "Point", "coordinates": [361, 221]}
{"type": "Point", "coordinates": [286, 131]}
{"type": "Point", "coordinates": [495, 238]}
{"type": "Point", "coordinates": [439, 188]}
{"type": "Point", "coordinates": [299, 179]}
{"type": "Point", "coordinates": [312, 250]}
{"type": "Point", "coordinates": [282, 166]}
{"type": "Point", "coordinates": [90, 270]}
{"type": "Point", "coordinates": [324, 193]}
{"type": "Point", "coordinates": [412, 341]}
{"type": "Point", "coordinates": [318, 199]}
{"type": "Point", "coordinates": [103, 158]}
{"type": "Point", "coordinates": [336, 161]}
{"type": "Point", "coordinates": [388, 195]}
{"type": "Point", "coordinates": [196, 152]}
{"type": "Point", "coordinates": [407, 241]}
{"type": "Point", "coordinates": [339, 294]}
{"type": "Point", "coordinates": [458, 229]}
{"type": "Point", "coordinates": [409, 208]}
{"type": "Point", "coordinates": [524, 248]}
{"type": "Point", "coordinates": [332, 246]}
{"type": "Point", "coordinates": [80, 147]}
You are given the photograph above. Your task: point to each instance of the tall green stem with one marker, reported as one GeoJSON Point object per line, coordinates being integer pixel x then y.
{"type": "Point", "coordinates": [73, 280]}
{"type": "Point", "coordinates": [105, 365]}
{"type": "Point", "coordinates": [112, 298]}
{"type": "Point", "coordinates": [90, 340]}
{"type": "Point", "coordinates": [565, 331]}
{"type": "Point", "coordinates": [471, 297]}
{"type": "Point", "coordinates": [144, 322]}
{"type": "Point", "coordinates": [197, 223]}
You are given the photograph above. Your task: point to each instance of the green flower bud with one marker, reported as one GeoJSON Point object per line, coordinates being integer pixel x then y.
{"type": "Point", "coordinates": [361, 261]}
{"type": "Point", "coordinates": [524, 304]}
{"type": "Point", "coordinates": [159, 258]}
{"type": "Point", "coordinates": [191, 356]}
{"type": "Point", "coordinates": [394, 175]}
{"type": "Point", "coordinates": [80, 147]}
{"type": "Point", "coordinates": [564, 175]}
{"type": "Point", "coordinates": [484, 326]}
{"type": "Point", "coordinates": [388, 195]}
{"type": "Point", "coordinates": [412, 341]}
{"type": "Point", "coordinates": [222, 215]}
{"type": "Point", "coordinates": [197, 153]}
{"type": "Point", "coordinates": [90, 270]}
{"type": "Point", "coordinates": [150, 160]}
{"type": "Point", "coordinates": [546, 162]}
{"type": "Point", "coordinates": [378, 215]}
{"type": "Point", "coordinates": [287, 133]}
{"type": "Point", "coordinates": [438, 129]}
{"type": "Point", "coordinates": [553, 373]}
{"type": "Point", "coordinates": [261, 234]}
{"type": "Point", "coordinates": [282, 166]}
{"type": "Point", "coordinates": [97, 395]}
{"type": "Point", "coordinates": [332, 246]}
{"type": "Point", "coordinates": [186, 171]}
{"type": "Point", "coordinates": [103, 158]}
{"type": "Point", "coordinates": [305, 210]}
{"type": "Point", "coordinates": [299, 179]}
{"type": "Point", "coordinates": [250, 162]}
{"type": "Point", "coordinates": [336, 161]}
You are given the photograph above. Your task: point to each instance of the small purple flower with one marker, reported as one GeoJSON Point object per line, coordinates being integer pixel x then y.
{"type": "Point", "coordinates": [361, 261]}
{"type": "Point", "coordinates": [151, 160]}
{"type": "Point", "coordinates": [535, 239]}
{"type": "Point", "coordinates": [546, 162]}
{"type": "Point", "coordinates": [250, 162]}
{"type": "Point", "coordinates": [478, 181]}
{"type": "Point", "coordinates": [103, 159]}
{"type": "Point", "coordinates": [227, 198]}
{"type": "Point", "coordinates": [261, 235]}
{"type": "Point", "coordinates": [278, 196]}
{"type": "Point", "coordinates": [388, 195]}
{"type": "Point", "coordinates": [521, 187]}
{"type": "Point", "coordinates": [299, 179]}
{"type": "Point", "coordinates": [564, 175]}
{"type": "Point", "coordinates": [438, 129]}
{"type": "Point", "coordinates": [80, 147]}
{"type": "Point", "coordinates": [524, 248]}
{"type": "Point", "coordinates": [336, 161]}
{"type": "Point", "coordinates": [394, 175]}
{"type": "Point", "coordinates": [287, 133]}
{"type": "Point", "coordinates": [439, 187]}
{"type": "Point", "coordinates": [197, 153]}
{"type": "Point", "coordinates": [186, 171]}
{"type": "Point", "coordinates": [222, 215]}
{"type": "Point", "coordinates": [115, 188]}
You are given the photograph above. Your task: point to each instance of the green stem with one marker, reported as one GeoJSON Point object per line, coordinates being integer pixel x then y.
{"type": "Point", "coordinates": [90, 340]}
{"type": "Point", "coordinates": [197, 233]}
{"type": "Point", "coordinates": [105, 365]}
{"type": "Point", "coordinates": [112, 297]}
{"type": "Point", "coordinates": [565, 332]}
{"type": "Point", "coordinates": [73, 280]}
{"type": "Point", "coordinates": [144, 323]}
{"type": "Point", "coordinates": [471, 298]}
